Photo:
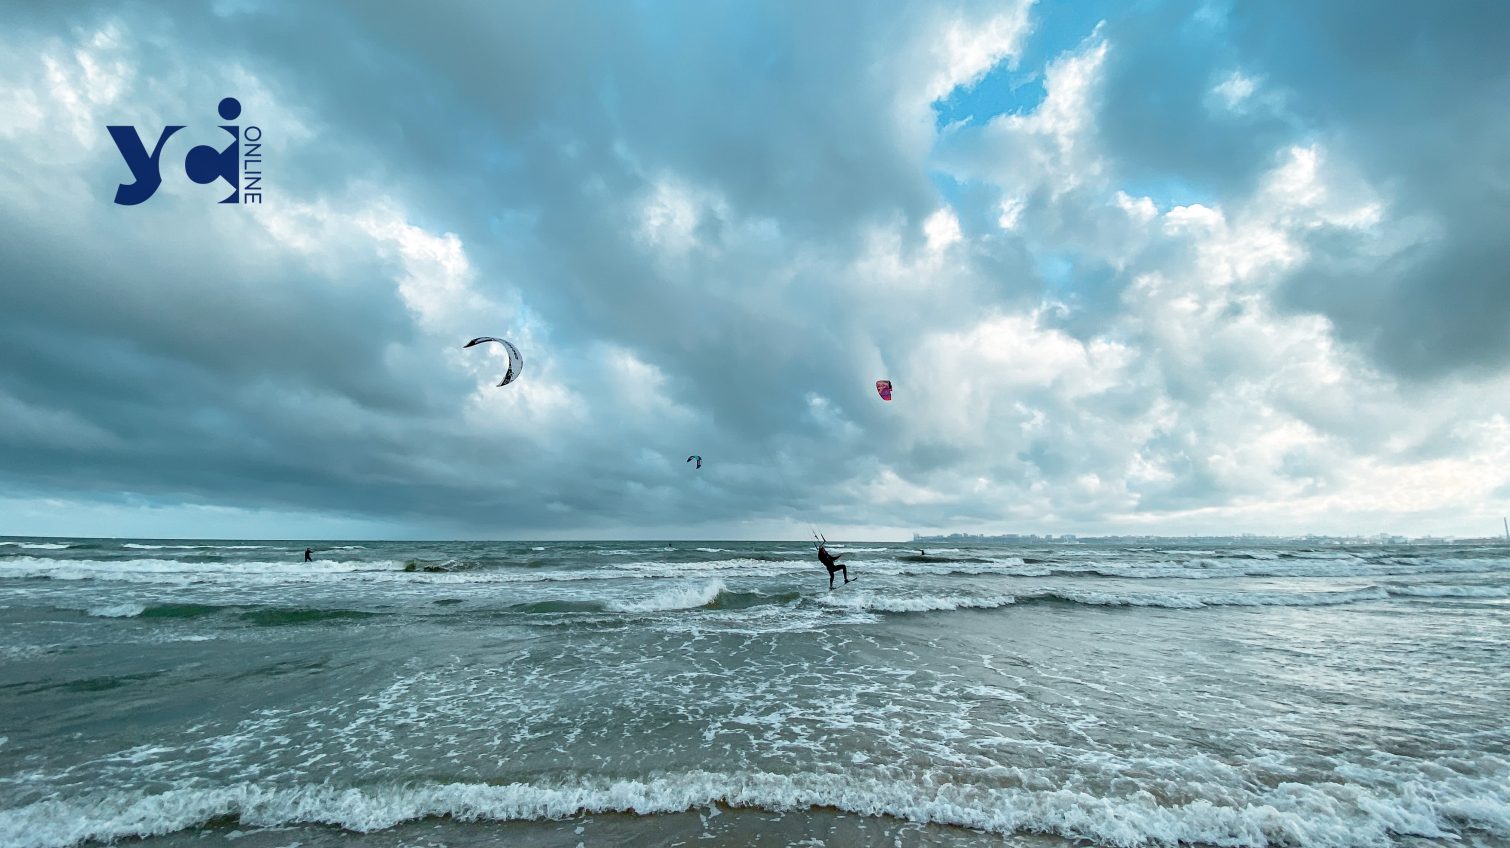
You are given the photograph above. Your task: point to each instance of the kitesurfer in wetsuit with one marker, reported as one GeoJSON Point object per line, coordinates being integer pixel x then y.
{"type": "Point", "coordinates": [831, 563]}
{"type": "Point", "coordinates": [309, 555]}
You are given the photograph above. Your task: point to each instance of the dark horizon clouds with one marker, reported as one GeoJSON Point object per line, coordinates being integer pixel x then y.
{"type": "Point", "coordinates": [1175, 267]}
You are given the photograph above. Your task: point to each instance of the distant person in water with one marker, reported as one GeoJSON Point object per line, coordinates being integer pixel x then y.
{"type": "Point", "coordinates": [309, 555]}
{"type": "Point", "coordinates": [831, 563]}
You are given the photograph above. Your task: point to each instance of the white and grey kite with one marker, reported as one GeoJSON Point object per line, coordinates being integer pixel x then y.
{"type": "Point", "coordinates": [516, 362]}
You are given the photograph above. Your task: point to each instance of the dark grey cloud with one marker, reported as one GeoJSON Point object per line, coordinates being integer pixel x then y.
{"type": "Point", "coordinates": [1412, 101]}
{"type": "Point", "coordinates": [1159, 121]}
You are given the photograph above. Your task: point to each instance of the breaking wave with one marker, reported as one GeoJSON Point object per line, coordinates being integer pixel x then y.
{"type": "Point", "coordinates": [1441, 591]}
{"type": "Point", "coordinates": [1196, 600]}
{"type": "Point", "coordinates": [172, 570]}
{"type": "Point", "coordinates": [926, 603]}
{"type": "Point", "coordinates": [259, 615]}
{"type": "Point", "coordinates": [679, 597]}
{"type": "Point", "coordinates": [117, 611]}
{"type": "Point", "coordinates": [1337, 815]}
{"type": "Point", "coordinates": [1167, 600]}
{"type": "Point", "coordinates": [140, 547]}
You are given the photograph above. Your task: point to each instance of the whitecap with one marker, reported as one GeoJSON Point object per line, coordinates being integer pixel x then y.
{"type": "Point", "coordinates": [1350, 815]}
{"type": "Point", "coordinates": [126, 610]}
{"type": "Point", "coordinates": [923, 603]}
{"type": "Point", "coordinates": [688, 596]}
{"type": "Point", "coordinates": [1430, 590]}
{"type": "Point", "coordinates": [1196, 600]}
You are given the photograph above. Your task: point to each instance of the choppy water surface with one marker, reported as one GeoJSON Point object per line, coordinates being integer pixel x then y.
{"type": "Point", "coordinates": [545, 694]}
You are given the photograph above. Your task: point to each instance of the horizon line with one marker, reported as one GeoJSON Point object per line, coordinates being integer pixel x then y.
{"type": "Point", "coordinates": [1054, 538]}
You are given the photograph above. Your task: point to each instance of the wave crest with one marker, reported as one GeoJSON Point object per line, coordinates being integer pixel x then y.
{"type": "Point", "coordinates": [1338, 815]}
{"type": "Point", "coordinates": [679, 597]}
{"type": "Point", "coordinates": [1194, 600]}
{"type": "Point", "coordinates": [926, 603]}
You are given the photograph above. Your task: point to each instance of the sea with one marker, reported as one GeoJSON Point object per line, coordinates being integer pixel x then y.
{"type": "Point", "coordinates": [206, 693]}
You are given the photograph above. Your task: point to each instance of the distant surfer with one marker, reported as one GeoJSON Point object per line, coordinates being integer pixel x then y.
{"type": "Point", "coordinates": [831, 563]}
{"type": "Point", "coordinates": [922, 553]}
{"type": "Point", "coordinates": [309, 555]}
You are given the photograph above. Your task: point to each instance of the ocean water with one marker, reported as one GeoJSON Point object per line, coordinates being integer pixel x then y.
{"type": "Point", "coordinates": [206, 693]}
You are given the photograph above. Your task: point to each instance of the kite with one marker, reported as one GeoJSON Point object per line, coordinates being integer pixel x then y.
{"type": "Point", "coordinates": [516, 362]}
{"type": "Point", "coordinates": [883, 388]}
{"type": "Point", "coordinates": [698, 458]}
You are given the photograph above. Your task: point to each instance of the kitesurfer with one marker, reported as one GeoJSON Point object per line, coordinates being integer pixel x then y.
{"type": "Point", "coordinates": [309, 555]}
{"type": "Point", "coordinates": [831, 562]}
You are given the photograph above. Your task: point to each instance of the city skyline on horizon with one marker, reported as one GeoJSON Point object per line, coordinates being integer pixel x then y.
{"type": "Point", "coordinates": [1055, 538]}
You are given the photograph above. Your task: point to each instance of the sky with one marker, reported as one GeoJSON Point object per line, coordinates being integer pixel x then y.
{"type": "Point", "coordinates": [1154, 267]}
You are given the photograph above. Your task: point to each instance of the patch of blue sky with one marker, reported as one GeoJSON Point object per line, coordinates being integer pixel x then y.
{"type": "Point", "coordinates": [1002, 91]}
{"type": "Point", "coordinates": [1016, 87]}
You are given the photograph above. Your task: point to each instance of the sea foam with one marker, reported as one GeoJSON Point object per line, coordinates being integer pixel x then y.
{"type": "Point", "coordinates": [922, 603]}
{"type": "Point", "coordinates": [675, 598]}
{"type": "Point", "coordinates": [1332, 815]}
{"type": "Point", "coordinates": [126, 610]}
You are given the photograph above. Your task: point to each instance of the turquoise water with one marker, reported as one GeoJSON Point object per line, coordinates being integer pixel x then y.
{"type": "Point", "coordinates": [717, 693]}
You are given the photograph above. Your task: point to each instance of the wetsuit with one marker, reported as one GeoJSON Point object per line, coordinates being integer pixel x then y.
{"type": "Point", "coordinates": [831, 563]}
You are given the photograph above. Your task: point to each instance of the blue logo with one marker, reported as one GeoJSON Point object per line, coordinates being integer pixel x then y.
{"type": "Point", "coordinates": [240, 166]}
